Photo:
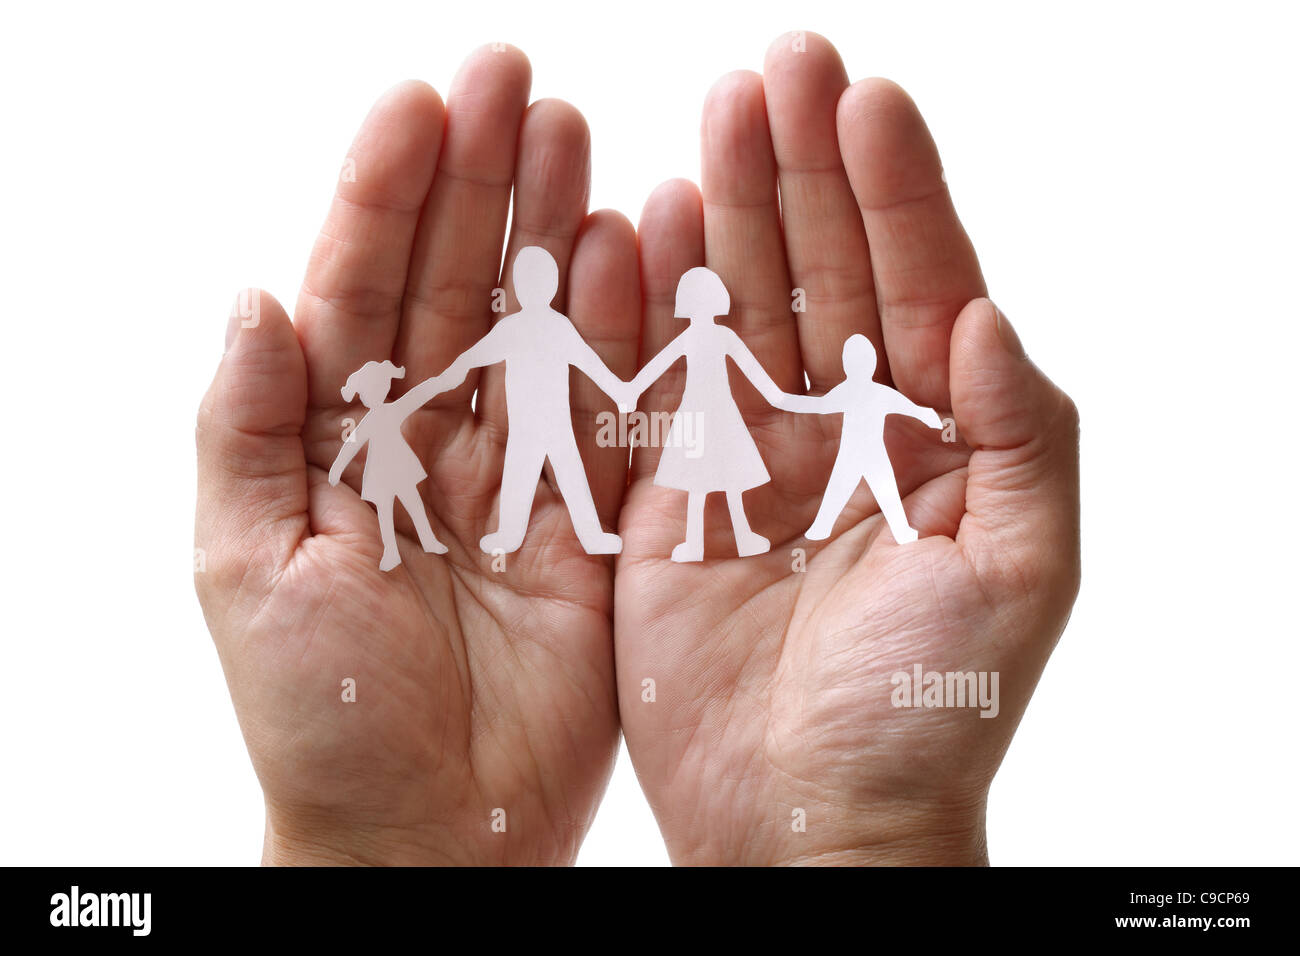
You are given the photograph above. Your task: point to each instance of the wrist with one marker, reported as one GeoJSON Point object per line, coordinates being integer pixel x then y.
{"type": "Point", "coordinates": [945, 843]}
{"type": "Point", "coordinates": [318, 843]}
{"type": "Point", "coordinates": [904, 833]}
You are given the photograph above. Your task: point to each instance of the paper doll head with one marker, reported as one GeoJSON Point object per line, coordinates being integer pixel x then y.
{"type": "Point", "coordinates": [859, 356]}
{"type": "Point", "coordinates": [701, 295]}
{"type": "Point", "coordinates": [537, 277]}
{"type": "Point", "coordinates": [372, 382]}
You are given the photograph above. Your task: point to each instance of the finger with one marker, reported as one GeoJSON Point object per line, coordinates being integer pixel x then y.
{"type": "Point", "coordinates": [348, 309]}
{"type": "Point", "coordinates": [924, 264]}
{"type": "Point", "coordinates": [825, 239]}
{"type": "Point", "coordinates": [1022, 489]}
{"type": "Point", "coordinates": [456, 260]}
{"type": "Point", "coordinates": [252, 501]}
{"type": "Point", "coordinates": [552, 183]}
{"type": "Point", "coordinates": [742, 227]}
{"type": "Point", "coordinates": [605, 305]}
{"type": "Point", "coordinates": [670, 240]}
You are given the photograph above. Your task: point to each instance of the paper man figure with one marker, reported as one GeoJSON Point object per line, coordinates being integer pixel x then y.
{"type": "Point", "coordinates": [862, 453]}
{"type": "Point", "coordinates": [722, 456]}
{"type": "Point", "coordinates": [538, 345]}
{"type": "Point", "coordinates": [392, 470]}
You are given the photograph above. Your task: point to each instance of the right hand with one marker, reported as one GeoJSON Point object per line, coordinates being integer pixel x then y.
{"type": "Point", "coordinates": [773, 689]}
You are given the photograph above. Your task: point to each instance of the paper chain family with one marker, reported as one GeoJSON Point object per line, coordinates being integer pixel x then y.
{"type": "Point", "coordinates": [538, 344]}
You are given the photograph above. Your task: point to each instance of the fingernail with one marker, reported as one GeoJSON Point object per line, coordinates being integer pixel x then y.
{"type": "Point", "coordinates": [1010, 340]}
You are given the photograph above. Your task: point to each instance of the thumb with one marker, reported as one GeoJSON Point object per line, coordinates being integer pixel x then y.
{"type": "Point", "coordinates": [252, 496]}
{"type": "Point", "coordinates": [1022, 489]}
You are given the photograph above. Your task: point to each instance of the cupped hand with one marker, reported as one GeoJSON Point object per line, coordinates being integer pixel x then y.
{"type": "Point", "coordinates": [757, 695]}
{"type": "Point", "coordinates": [484, 725]}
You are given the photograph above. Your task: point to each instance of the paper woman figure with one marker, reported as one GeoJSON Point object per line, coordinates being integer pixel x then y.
{"type": "Point", "coordinates": [862, 455]}
{"type": "Point", "coordinates": [720, 455]}
{"type": "Point", "coordinates": [392, 470]}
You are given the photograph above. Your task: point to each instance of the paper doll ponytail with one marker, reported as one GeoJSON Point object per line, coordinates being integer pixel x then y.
{"type": "Point", "coordinates": [372, 377]}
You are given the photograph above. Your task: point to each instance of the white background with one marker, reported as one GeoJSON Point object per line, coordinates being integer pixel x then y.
{"type": "Point", "coordinates": [1128, 173]}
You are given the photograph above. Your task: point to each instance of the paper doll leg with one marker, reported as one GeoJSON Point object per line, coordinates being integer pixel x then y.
{"type": "Point", "coordinates": [747, 542]}
{"type": "Point", "coordinates": [844, 479]}
{"type": "Point", "coordinates": [519, 474]}
{"type": "Point", "coordinates": [571, 478]}
{"type": "Point", "coordinates": [414, 506]}
{"type": "Point", "coordinates": [692, 549]}
{"type": "Point", "coordinates": [883, 485]}
{"type": "Point", "coordinates": [391, 557]}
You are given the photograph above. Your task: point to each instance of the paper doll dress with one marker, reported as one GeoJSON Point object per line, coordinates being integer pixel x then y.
{"type": "Point", "coordinates": [709, 447]}
{"type": "Point", "coordinates": [391, 467]}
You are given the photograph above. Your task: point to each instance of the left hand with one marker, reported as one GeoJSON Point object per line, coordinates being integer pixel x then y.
{"type": "Point", "coordinates": [477, 690]}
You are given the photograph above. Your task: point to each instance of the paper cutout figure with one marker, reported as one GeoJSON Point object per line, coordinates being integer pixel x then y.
{"type": "Point", "coordinates": [865, 404]}
{"type": "Point", "coordinates": [722, 455]}
{"type": "Point", "coordinates": [708, 447]}
{"type": "Point", "coordinates": [538, 344]}
{"type": "Point", "coordinates": [392, 470]}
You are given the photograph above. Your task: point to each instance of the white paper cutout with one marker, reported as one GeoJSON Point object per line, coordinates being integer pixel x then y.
{"type": "Point", "coordinates": [708, 447]}
{"type": "Point", "coordinates": [538, 345]}
{"type": "Point", "coordinates": [722, 456]}
{"type": "Point", "coordinates": [392, 470]}
{"type": "Point", "coordinates": [862, 456]}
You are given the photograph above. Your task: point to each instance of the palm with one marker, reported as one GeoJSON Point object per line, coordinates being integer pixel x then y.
{"type": "Point", "coordinates": [488, 689]}
{"type": "Point", "coordinates": [484, 689]}
{"type": "Point", "coordinates": [796, 663]}
{"type": "Point", "coordinates": [772, 675]}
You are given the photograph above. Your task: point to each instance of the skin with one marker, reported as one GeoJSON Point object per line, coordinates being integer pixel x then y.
{"type": "Point", "coordinates": [772, 686]}
{"type": "Point", "coordinates": [479, 690]}
{"type": "Point", "coordinates": [475, 689]}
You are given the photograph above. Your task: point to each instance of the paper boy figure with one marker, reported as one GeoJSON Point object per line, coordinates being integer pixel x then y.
{"type": "Point", "coordinates": [862, 454]}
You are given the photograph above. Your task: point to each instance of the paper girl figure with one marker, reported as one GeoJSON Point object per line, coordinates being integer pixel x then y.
{"type": "Point", "coordinates": [392, 470]}
{"type": "Point", "coordinates": [862, 454]}
{"type": "Point", "coordinates": [708, 447]}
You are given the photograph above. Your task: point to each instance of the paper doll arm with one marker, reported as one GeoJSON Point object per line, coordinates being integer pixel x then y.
{"type": "Point", "coordinates": [420, 394]}
{"type": "Point", "coordinates": [351, 445]}
{"type": "Point", "coordinates": [755, 372]}
{"type": "Point", "coordinates": [810, 404]}
{"type": "Point", "coordinates": [655, 369]}
{"type": "Point", "coordinates": [486, 351]}
{"type": "Point", "coordinates": [584, 358]}
{"type": "Point", "coordinates": [902, 405]}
